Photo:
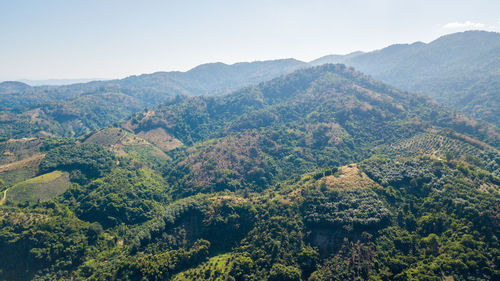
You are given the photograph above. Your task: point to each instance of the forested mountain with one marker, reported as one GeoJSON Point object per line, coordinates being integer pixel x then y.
{"type": "Point", "coordinates": [461, 70]}
{"type": "Point", "coordinates": [74, 110]}
{"type": "Point", "coordinates": [322, 174]}
{"type": "Point", "coordinates": [315, 108]}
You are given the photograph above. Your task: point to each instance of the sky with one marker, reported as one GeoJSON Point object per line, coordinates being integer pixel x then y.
{"type": "Point", "coordinates": [69, 39]}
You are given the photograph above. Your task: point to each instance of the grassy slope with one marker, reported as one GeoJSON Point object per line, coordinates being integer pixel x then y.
{"type": "Point", "coordinates": [40, 188]}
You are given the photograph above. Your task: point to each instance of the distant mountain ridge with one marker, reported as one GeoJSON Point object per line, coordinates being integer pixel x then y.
{"type": "Point", "coordinates": [74, 110]}
{"type": "Point", "coordinates": [58, 82]}
{"type": "Point", "coordinates": [454, 69]}
{"type": "Point", "coordinates": [203, 79]}
{"type": "Point", "coordinates": [13, 87]}
{"type": "Point", "coordinates": [461, 70]}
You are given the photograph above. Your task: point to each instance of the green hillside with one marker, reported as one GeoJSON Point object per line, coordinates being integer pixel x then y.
{"type": "Point", "coordinates": [78, 109]}
{"type": "Point", "coordinates": [314, 118]}
{"type": "Point", "coordinates": [40, 188]}
{"type": "Point", "coordinates": [461, 70]}
{"type": "Point", "coordinates": [322, 174]}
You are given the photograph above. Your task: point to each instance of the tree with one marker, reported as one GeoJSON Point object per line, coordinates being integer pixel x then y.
{"type": "Point", "coordinates": [242, 266]}
{"type": "Point", "coordinates": [307, 259]}
{"type": "Point", "coordinates": [281, 272]}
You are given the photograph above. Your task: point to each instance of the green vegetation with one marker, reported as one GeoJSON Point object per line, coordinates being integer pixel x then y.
{"type": "Point", "coordinates": [323, 174]}
{"type": "Point", "coordinates": [40, 188]}
{"type": "Point", "coordinates": [163, 266]}
{"type": "Point", "coordinates": [84, 161]}
{"type": "Point", "coordinates": [217, 268]}
{"type": "Point", "coordinates": [76, 110]}
{"type": "Point", "coordinates": [357, 209]}
{"type": "Point", "coordinates": [120, 197]}
{"type": "Point", "coordinates": [44, 240]}
{"type": "Point", "coordinates": [460, 70]}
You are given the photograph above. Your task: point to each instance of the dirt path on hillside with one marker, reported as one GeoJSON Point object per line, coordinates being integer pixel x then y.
{"type": "Point", "coordinates": [4, 197]}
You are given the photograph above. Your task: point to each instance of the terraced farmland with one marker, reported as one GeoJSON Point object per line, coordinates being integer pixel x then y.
{"type": "Point", "coordinates": [443, 146]}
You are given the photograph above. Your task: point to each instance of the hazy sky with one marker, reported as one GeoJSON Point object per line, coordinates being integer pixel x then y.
{"type": "Point", "coordinates": [111, 38]}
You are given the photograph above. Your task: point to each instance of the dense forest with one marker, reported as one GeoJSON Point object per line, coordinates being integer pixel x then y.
{"type": "Point", "coordinates": [321, 174]}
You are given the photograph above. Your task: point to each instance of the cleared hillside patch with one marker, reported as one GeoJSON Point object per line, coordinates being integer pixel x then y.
{"type": "Point", "coordinates": [349, 177]}
{"type": "Point", "coordinates": [126, 144]}
{"type": "Point", "coordinates": [107, 136]}
{"type": "Point", "coordinates": [18, 171]}
{"type": "Point", "coordinates": [161, 138]}
{"type": "Point", "coordinates": [14, 150]}
{"type": "Point", "coordinates": [40, 188]}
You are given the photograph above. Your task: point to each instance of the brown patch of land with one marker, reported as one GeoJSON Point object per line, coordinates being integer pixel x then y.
{"type": "Point", "coordinates": [21, 163]}
{"type": "Point", "coordinates": [22, 218]}
{"type": "Point", "coordinates": [349, 177]}
{"type": "Point", "coordinates": [161, 138]}
{"type": "Point", "coordinates": [228, 198]}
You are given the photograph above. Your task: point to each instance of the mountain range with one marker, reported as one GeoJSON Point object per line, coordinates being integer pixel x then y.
{"type": "Point", "coordinates": [461, 70]}
{"type": "Point", "coordinates": [288, 179]}
{"type": "Point", "coordinates": [274, 170]}
{"type": "Point", "coordinates": [74, 110]}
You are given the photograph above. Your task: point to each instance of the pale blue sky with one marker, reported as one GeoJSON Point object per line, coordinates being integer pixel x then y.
{"type": "Point", "coordinates": [111, 38]}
